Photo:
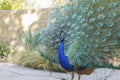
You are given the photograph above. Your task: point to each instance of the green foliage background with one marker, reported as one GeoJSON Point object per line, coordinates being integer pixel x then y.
{"type": "Point", "coordinates": [13, 4]}
{"type": "Point", "coordinates": [5, 49]}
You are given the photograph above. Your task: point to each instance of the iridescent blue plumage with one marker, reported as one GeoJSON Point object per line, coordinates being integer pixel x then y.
{"type": "Point", "coordinates": [63, 59]}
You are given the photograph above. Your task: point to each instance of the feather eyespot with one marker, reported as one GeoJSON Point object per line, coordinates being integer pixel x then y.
{"type": "Point", "coordinates": [96, 45]}
{"type": "Point", "coordinates": [112, 4]}
{"type": "Point", "coordinates": [114, 42]}
{"type": "Point", "coordinates": [108, 33]}
{"type": "Point", "coordinates": [106, 48]}
{"type": "Point", "coordinates": [112, 14]}
{"type": "Point", "coordinates": [110, 24]}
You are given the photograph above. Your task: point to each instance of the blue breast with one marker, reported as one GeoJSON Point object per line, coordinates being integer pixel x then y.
{"type": "Point", "coordinates": [64, 61]}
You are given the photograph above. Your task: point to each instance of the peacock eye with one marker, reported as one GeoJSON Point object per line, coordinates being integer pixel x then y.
{"type": "Point", "coordinates": [90, 13]}
{"type": "Point", "coordinates": [108, 33]}
{"type": "Point", "coordinates": [114, 42]}
{"type": "Point", "coordinates": [99, 24]}
{"type": "Point", "coordinates": [100, 9]}
{"type": "Point", "coordinates": [106, 48]}
{"type": "Point", "coordinates": [84, 25]}
{"type": "Point", "coordinates": [96, 45]}
{"type": "Point", "coordinates": [91, 40]}
{"type": "Point", "coordinates": [101, 16]}
{"type": "Point", "coordinates": [103, 39]}
{"type": "Point", "coordinates": [96, 33]}
{"type": "Point", "coordinates": [110, 24]}
{"type": "Point", "coordinates": [88, 50]}
{"type": "Point", "coordinates": [92, 20]}
{"type": "Point", "coordinates": [112, 4]}
{"type": "Point", "coordinates": [112, 14]}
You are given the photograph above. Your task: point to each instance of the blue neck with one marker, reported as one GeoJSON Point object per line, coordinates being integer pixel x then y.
{"type": "Point", "coordinates": [64, 61]}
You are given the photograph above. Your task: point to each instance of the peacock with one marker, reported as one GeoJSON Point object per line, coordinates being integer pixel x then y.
{"type": "Point", "coordinates": [83, 35]}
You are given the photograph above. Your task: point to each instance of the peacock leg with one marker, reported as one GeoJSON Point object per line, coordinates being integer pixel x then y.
{"type": "Point", "coordinates": [79, 76]}
{"type": "Point", "coordinates": [72, 76]}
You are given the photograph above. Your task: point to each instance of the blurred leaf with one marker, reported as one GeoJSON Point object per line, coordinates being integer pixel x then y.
{"type": "Point", "coordinates": [5, 49]}
{"type": "Point", "coordinates": [31, 40]}
{"type": "Point", "coordinates": [6, 5]}
{"type": "Point", "coordinates": [13, 4]}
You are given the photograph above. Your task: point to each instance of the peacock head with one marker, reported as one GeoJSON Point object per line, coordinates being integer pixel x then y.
{"type": "Point", "coordinates": [61, 36]}
{"type": "Point", "coordinates": [62, 33]}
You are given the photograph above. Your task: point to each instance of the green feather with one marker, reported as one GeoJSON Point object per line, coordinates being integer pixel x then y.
{"type": "Point", "coordinates": [92, 33]}
{"type": "Point", "coordinates": [72, 50]}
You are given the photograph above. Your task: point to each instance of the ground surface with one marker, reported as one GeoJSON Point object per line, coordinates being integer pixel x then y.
{"type": "Point", "coordinates": [16, 72]}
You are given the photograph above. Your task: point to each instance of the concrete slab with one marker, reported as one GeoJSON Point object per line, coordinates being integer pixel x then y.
{"type": "Point", "coordinates": [17, 72]}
